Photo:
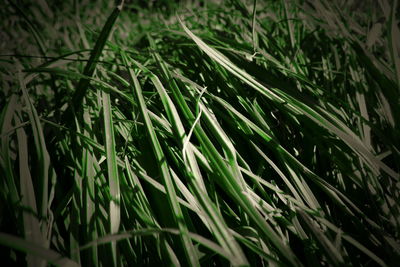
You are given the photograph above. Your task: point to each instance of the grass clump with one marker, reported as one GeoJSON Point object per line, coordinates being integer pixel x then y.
{"type": "Point", "coordinates": [200, 133]}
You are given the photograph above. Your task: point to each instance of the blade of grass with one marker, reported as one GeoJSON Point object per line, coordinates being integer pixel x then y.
{"type": "Point", "coordinates": [6, 127]}
{"type": "Point", "coordinates": [31, 222]}
{"type": "Point", "coordinates": [32, 248]}
{"type": "Point", "coordinates": [83, 85]}
{"type": "Point", "coordinates": [88, 189]}
{"type": "Point", "coordinates": [46, 175]}
{"type": "Point", "coordinates": [112, 170]}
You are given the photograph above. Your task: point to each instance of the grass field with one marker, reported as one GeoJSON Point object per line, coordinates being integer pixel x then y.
{"type": "Point", "coordinates": [200, 133]}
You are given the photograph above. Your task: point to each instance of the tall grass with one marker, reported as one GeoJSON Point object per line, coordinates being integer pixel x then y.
{"type": "Point", "coordinates": [200, 133]}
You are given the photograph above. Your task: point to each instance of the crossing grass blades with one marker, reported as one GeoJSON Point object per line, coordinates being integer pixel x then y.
{"type": "Point", "coordinates": [200, 133]}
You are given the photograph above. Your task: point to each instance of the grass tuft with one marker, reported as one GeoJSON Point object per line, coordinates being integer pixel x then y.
{"type": "Point", "coordinates": [200, 133]}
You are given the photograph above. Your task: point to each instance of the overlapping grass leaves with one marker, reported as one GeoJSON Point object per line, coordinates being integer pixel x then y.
{"type": "Point", "coordinates": [228, 136]}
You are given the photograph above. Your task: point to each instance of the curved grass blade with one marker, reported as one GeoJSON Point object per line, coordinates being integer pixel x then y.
{"type": "Point", "coordinates": [151, 231]}
{"type": "Point", "coordinates": [34, 249]}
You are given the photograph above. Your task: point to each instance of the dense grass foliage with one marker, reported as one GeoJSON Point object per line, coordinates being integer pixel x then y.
{"type": "Point", "coordinates": [209, 133]}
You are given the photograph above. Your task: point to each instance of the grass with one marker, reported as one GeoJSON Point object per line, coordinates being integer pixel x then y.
{"type": "Point", "coordinates": [244, 133]}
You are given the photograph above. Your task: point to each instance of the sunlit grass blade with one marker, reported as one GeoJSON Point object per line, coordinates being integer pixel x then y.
{"type": "Point", "coordinates": [31, 223]}
{"type": "Point", "coordinates": [46, 174]}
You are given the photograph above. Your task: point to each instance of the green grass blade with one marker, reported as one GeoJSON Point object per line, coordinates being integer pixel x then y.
{"type": "Point", "coordinates": [7, 128]}
{"type": "Point", "coordinates": [112, 170]}
{"type": "Point", "coordinates": [88, 188]}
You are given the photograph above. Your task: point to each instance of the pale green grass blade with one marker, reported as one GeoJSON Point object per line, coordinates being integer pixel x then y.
{"type": "Point", "coordinates": [264, 253]}
{"type": "Point", "coordinates": [162, 189]}
{"type": "Point", "coordinates": [280, 173]}
{"type": "Point", "coordinates": [88, 189]}
{"type": "Point", "coordinates": [151, 231]}
{"type": "Point", "coordinates": [46, 175]}
{"type": "Point", "coordinates": [289, 23]}
{"type": "Point", "coordinates": [112, 170]}
{"type": "Point", "coordinates": [34, 249]}
{"type": "Point", "coordinates": [253, 26]}
{"type": "Point", "coordinates": [31, 223]}
{"type": "Point", "coordinates": [73, 218]}
{"type": "Point", "coordinates": [284, 197]}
